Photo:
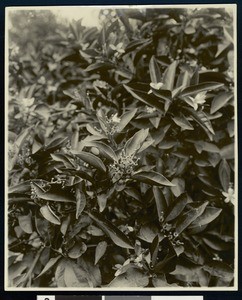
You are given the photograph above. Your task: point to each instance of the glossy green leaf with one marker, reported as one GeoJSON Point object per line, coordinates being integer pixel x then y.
{"type": "Point", "coordinates": [186, 219]}
{"type": "Point", "coordinates": [77, 250]}
{"type": "Point", "coordinates": [135, 142]}
{"type": "Point", "coordinates": [210, 213]}
{"type": "Point", "coordinates": [126, 118]}
{"type": "Point", "coordinates": [220, 101]}
{"type": "Point", "coordinates": [145, 98]}
{"type": "Point", "coordinates": [50, 264]}
{"type": "Point", "coordinates": [104, 149]}
{"type": "Point", "coordinates": [80, 202]}
{"type": "Point", "coordinates": [183, 122]}
{"type": "Point", "coordinates": [49, 215]}
{"type": "Point", "coordinates": [224, 174]}
{"type": "Point", "coordinates": [169, 76]}
{"type": "Point", "coordinates": [154, 248]}
{"type": "Point", "coordinates": [52, 195]}
{"type": "Point", "coordinates": [91, 159]}
{"type": "Point", "coordinates": [100, 65]}
{"type": "Point", "coordinates": [177, 207]}
{"type": "Point", "coordinates": [100, 251]}
{"type": "Point", "coordinates": [117, 236]}
{"type": "Point", "coordinates": [132, 278]}
{"type": "Point", "coordinates": [202, 119]}
{"type": "Point", "coordinates": [152, 178]}
{"type": "Point", "coordinates": [201, 87]}
{"type": "Point", "coordinates": [154, 68]}
{"type": "Point", "coordinates": [25, 222]}
{"type": "Point", "coordinates": [160, 200]}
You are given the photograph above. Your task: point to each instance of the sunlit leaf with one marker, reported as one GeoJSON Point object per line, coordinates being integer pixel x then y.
{"type": "Point", "coordinates": [49, 215]}
{"type": "Point", "coordinates": [100, 251]}
{"type": "Point", "coordinates": [152, 178]}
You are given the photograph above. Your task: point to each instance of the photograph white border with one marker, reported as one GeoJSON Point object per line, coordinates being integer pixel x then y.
{"type": "Point", "coordinates": [103, 289]}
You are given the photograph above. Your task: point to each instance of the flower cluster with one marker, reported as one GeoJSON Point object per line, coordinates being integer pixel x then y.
{"type": "Point", "coordinates": [24, 157]}
{"type": "Point", "coordinates": [171, 234]}
{"type": "Point", "coordinates": [123, 167]}
{"type": "Point", "coordinates": [112, 124]}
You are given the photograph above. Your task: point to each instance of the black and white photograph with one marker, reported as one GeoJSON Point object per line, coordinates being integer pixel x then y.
{"type": "Point", "coordinates": [121, 148]}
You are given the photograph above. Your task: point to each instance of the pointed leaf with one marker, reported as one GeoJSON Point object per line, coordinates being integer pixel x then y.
{"type": "Point", "coordinates": [91, 159]}
{"type": "Point", "coordinates": [160, 200]}
{"type": "Point", "coordinates": [55, 195]}
{"type": "Point", "coordinates": [177, 207]}
{"type": "Point", "coordinates": [80, 202]}
{"type": "Point", "coordinates": [145, 97]}
{"type": "Point", "coordinates": [185, 220]}
{"type": "Point", "coordinates": [50, 264]}
{"type": "Point", "coordinates": [220, 101]}
{"type": "Point", "coordinates": [183, 122]}
{"type": "Point", "coordinates": [169, 76]}
{"type": "Point", "coordinates": [100, 65]}
{"type": "Point", "coordinates": [100, 251]}
{"type": "Point", "coordinates": [25, 222]}
{"type": "Point", "coordinates": [117, 236]}
{"type": "Point", "coordinates": [155, 74]}
{"type": "Point", "coordinates": [126, 118]}
{"type": "Point", "coordinates": [136, 141]}
{"type": "Point", "coordinates": [201, 87]}
{"type": "Point", "coordinates": [154, 248]}
{"type": "Point", "coordinates": [209, 214]}
{"type": "Point", "coordinates": [49, 215]}
{"type": "Point", "coordinates": [102, 201]}
{"type": "Point", "coordinates": [104, 149]}
{"type": "Point", "coordinates": [202, 119]}
{"type": "Point", "coordinates": [152, 178]}
{"type": "Point", "coordinates": [224, 174]}
{"type": "Point", "coordinates": [227, 152]}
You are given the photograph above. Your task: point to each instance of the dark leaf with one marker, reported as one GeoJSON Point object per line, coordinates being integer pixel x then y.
{"type": "Point", "coordinates": [52, 195]}
{"type": "Point", "coordinates": [177, 207]}
{"type": "Point", "coordinates": [220, 101]}
{"type": "Point", "coordinates": [160, 201]}
{"type": "Point", "coordinates": [117, 236]}
{"type": "Point", "coordinates": [91, 159]}
{"type": "Point", "coordinates": [195, 89]}
{"type": "Point", "coordinates": [186, 219]}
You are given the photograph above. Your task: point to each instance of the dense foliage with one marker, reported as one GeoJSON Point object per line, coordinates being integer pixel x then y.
{"type": "Point", "coordinates": [121, 150]}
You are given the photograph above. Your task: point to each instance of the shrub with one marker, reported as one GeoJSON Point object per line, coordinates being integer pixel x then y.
{"type": "Point", "coordinates": [121, 152]}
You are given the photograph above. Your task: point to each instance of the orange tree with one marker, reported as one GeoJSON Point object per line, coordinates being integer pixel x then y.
{"type": "Point", "coordinates": [121, 151]}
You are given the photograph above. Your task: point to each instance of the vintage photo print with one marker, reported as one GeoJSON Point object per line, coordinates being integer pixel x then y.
{"type": "Point", "coordinates": [121, 139]}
